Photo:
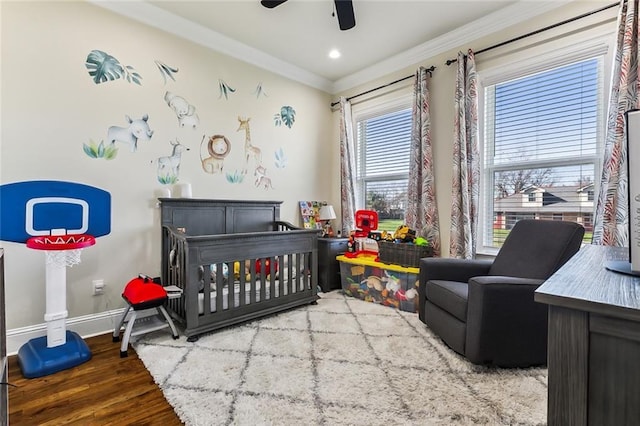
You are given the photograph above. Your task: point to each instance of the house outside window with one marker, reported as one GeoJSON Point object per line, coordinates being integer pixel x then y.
{"type": "Point", "coordinates": [542, 130]}
{"type": "Point", "coordinates": [383, 140]}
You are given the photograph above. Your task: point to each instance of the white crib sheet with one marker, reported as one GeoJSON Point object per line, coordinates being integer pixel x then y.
{"type": "Point", "coordinates": [236, 296]}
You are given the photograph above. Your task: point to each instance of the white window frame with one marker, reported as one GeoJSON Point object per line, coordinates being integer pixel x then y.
{"type": "Point", "coordinates": [397, 102]}
{"type": "Point", "coordinates": [530, 61]}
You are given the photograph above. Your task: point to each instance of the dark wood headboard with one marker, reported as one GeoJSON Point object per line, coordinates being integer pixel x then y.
{"type": "Point", "coordinates": [210, 217]}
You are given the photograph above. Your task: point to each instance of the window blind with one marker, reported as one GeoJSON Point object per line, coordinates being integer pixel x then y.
{"type": "Point", "coordinates": [383, 162]}
{"type": "Point", "coordinates": [541, 139]}
{"type": "Point", "coordinates": [386, 142]}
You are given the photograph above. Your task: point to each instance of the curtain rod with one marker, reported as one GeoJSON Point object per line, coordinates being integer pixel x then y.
{"type": "Point", "coordinates": [429, 70]}
{"type": "Point", "coordinates": [575, 18]}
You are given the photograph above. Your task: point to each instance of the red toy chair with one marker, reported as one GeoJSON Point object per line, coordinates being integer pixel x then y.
{"type": "Point", "coordinates": [142, 293]}
{"type": "Point", "coordinates": [366, 221]}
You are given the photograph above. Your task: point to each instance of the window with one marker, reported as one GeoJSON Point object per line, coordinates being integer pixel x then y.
{"type": "Point", "coordinates": [383, 141]}
{"type": "Point", "coordinates": [540, 140]}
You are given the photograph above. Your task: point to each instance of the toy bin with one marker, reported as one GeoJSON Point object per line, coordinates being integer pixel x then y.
{"type": "Point", "coordinates": [403, 254]}
{"type": "Point", "coordinates": [387, 284]}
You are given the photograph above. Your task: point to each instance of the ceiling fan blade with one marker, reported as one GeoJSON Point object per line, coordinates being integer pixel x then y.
{"type": "Point", "coordinates": [271, 4]}
{"type": "Point", "coordinates": [346, 16]}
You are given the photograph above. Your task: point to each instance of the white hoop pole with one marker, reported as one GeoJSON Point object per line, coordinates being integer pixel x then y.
{"type": "Point", "coordinates": [56, 304]}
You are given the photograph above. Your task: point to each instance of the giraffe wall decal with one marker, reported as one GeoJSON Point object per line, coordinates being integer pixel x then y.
{"type": "Point", "coordinates": [250, 151]}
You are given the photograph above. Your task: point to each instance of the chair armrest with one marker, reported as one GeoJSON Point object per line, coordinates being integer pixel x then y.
{"type": "Point", "coordinates": [502, 313]}
{"type": "Point", "coordinates": [498, 280]}
{"type": "Point", "coordinates": [450, 269]}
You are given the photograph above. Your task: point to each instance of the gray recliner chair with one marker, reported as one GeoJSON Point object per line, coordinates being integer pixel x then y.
{"type": "Point", "coordinates": [484, 309]}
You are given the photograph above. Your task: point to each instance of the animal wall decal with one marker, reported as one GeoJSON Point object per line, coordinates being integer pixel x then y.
{"type": "Point", "coordinates": [218, 147]}
{"type": "Point", "coordinates": [250, 151]}
{"type": "Point", "coordinates": [166, 71]}
{"type": "Point", "coordinates": [169, 166]}
{"type": "Point", "coordinates": [286, 116]}
{"type": "Point", "coordinates": [185, 112]}
{"type": "Point", "coordinates": [104, 67]}
{"type": "Point", "coordinates": [137, 129]}
{"type": "Point", "coordinates": [262, 180]}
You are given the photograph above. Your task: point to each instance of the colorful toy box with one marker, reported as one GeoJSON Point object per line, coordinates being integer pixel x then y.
{"type": "Point", "coordinates": [386, 284]}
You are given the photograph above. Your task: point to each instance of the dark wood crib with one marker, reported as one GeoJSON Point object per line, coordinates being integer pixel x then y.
{"type": "Point", "coordinates": [234, 261]}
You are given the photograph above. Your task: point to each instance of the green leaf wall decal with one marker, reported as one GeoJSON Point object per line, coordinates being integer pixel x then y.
{"type": "Point", "coordinates": [104, 67]}
{"type": "Point", "coordinates": [100, 151]}
{"type": "Point", "coordinates": [166, 71]}
{"type": "Point", "coordinates": [225, 89]}
{"type": "Point", "coordinates": [288, 115]}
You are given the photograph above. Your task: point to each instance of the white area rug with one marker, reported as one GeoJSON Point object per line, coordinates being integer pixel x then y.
{"type": "Point", "coordinates": [340, 362]}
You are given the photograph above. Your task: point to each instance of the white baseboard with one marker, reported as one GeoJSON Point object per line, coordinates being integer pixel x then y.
{"type": "Point", "coordinates": [85, 326]}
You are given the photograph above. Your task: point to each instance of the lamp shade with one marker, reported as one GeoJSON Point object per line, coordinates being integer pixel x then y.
{"type": "Point", "coordinates": [327, 213]}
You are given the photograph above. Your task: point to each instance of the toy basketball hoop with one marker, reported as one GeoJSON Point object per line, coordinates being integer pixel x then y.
{"type": "Point", "coordinates": [61, 250]}
{"type": "Point", "coordinates": [61, 219]}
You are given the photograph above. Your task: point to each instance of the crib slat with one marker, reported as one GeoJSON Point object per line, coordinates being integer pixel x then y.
{"type": "Point", "coordinates": [281, 276]}
{"type": "Point", "coordinates": [272, 278]}
{"type": "Point", "coordinates": [304, 284]}
{"type": "Point", "coordinates": [252, 281]}
{"type": "Point", "coordinates": [263, 281]}
{"type": "Point", "coordinates": [301, 268]}
{"type": "Point", "coordinates": [230, 284]}
{"type": "Point", "coordinates": [206, 288]}
{"type": "Point", "coordinates": [243, 285]}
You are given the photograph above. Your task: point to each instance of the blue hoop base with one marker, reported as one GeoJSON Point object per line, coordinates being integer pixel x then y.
{"type": "Point", "coordinates": [36, 359]}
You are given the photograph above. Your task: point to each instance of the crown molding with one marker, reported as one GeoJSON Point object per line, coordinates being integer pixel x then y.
{"type": "Point", "coordinates": [168, 22]}
{"type": "Point", "coordinates": [487, 25]}
{"type": "Point", "coordinates": [158, 18]}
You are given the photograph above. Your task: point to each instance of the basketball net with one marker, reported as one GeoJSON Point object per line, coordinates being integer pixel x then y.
{"type": "Point", "coordinates": [61, 250]}
{"type": "Point", "coordinates": [63, 258]}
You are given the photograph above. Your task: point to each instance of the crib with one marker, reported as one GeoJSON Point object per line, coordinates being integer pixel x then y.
{"type": "Point", "coordinates": [233, 261]}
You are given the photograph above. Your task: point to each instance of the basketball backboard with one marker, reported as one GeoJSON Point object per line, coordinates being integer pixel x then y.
{"type": "Point", "coordinates": [45, 207]}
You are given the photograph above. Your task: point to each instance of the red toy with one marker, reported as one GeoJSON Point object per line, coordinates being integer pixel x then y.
{"type": "Point", "coordinates": [366, 221]}
{"type": "Point", "coordinates": [269, 268]}
{"type": "Point", "coordinates": [142, 293]}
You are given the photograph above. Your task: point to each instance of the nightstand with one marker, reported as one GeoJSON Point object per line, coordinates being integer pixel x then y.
{"type": "Point", "coordinates": [328, 267]}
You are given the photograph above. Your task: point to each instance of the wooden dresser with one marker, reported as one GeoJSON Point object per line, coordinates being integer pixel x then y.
{"type": "Point", "coordinates": [594, 341]}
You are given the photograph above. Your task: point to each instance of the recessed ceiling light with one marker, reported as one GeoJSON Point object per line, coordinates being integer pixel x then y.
{"type": "Point", "coordinates": [334, 54]}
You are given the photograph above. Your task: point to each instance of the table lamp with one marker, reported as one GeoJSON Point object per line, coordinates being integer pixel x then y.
{"type": "Point", "coordinates": [327, 214]}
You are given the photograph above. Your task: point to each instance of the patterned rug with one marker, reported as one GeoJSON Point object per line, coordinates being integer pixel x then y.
{"type": "Point", "coordinates": [340, 362]}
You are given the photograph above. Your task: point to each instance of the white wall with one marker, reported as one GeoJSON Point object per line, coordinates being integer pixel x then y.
{"type": "Point", "coordinates": [442, 85]}
{"type": "Point", "coordinates": [50, 107]}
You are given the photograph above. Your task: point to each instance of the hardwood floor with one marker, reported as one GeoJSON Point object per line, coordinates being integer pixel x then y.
{"type": "Point", "coordinates": [106, 390]}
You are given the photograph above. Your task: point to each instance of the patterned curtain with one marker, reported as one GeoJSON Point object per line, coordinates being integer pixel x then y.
{"type": "Point", "coordinates": [611, 218]}
{"type": "Point", "coordinates": [422, 212]}
{"type": "Point", "coordinates": [466, 163]}
{"type": "Point", "coordinates": [347, 166]}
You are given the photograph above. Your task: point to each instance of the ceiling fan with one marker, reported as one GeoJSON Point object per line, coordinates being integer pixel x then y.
{"type": "Point", "coordinates": [344, 11]}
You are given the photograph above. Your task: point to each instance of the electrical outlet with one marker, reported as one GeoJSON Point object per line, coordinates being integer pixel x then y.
{"type": "Point", "coordinates": [98, 287]}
